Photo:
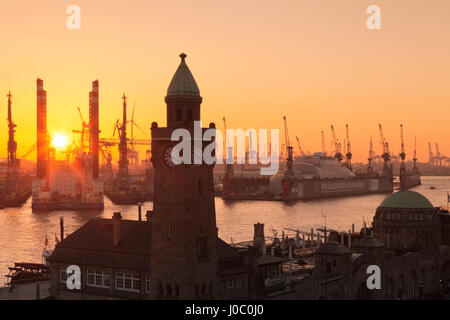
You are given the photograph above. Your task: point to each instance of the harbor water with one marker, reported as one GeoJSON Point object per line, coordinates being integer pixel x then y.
{"type": "Point", "coordinates": [23, 232]}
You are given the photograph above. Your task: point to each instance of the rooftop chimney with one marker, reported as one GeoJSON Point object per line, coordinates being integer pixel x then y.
{"type": "Point", "coordinates": [117, 226]}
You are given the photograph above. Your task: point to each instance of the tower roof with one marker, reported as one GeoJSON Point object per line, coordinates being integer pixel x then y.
{"type": "Point", "coordinates": [406, 199]}
{"type": "Point", "coordinates": [183, 83]}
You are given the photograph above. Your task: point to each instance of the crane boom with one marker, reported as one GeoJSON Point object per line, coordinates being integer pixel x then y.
{"type": "Point", "coordinates": [323, 144]}
{"type": "Point", "coordinates": [300, 147]}
{"type": "Point", "coordinates": [288, 146]}
{"type": "Point", "coordinates": [337, 145]}
{"type": "Point", "coordinates": [430, 154]}
{"type": "Point", "coordinates": [402, 152]}
{"type": "Point", "coordinates": [348, 153]}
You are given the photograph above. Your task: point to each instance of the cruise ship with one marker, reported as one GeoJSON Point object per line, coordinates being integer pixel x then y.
{"type": "Point", "coordinates": [310, 177]}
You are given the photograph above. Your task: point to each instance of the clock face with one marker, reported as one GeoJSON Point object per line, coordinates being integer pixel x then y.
{"type": "Point", "coordinates": [168, 159]}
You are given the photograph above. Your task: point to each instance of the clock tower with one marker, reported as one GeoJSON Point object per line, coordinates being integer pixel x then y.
{"type": "Point", "coordinates": [184, 232]}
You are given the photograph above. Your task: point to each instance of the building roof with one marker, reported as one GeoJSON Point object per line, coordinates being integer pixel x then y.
{"type": "Point", "coordinates": [406, 199]}
{"type": "Point", "coordinates": [226, 251]}
{"type": "Point", "coordinates": [265, 259]}
{"type": "Point", "coordinates": [332, 248]}
{"type": "Point", "coordinates": [183, 83]}
{"type": "Point", "coordinates": [92, 244]}
{"type": "Point", "coordinates": [368, 242]}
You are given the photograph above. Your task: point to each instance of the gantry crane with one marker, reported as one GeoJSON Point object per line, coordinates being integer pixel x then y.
{"type": "Point", "coordinates": [337, 145]}
{"type": "Point", "coordinates": [323, 144]}
{"type": "Point", "coordinates": [402, 157]}
{"type": "Point", "coordinates": [369, 167]}
{"type": "Point", "coordinates": [438, 155]}
{"type": "Point", "coordinates": [415, 155]}
{"type": "Point", "coordinates": [348, 154]}
{"type": "Point", "coordinates": [84, 132]}
{"type": "Point", "coordinates": [289, 148]}
{"type": "Point", "coordinates": [300, 150]}
{"type": "Point", "coordinates": [430, 154]}
{"type": "Point", "coordinates": [385, 155]}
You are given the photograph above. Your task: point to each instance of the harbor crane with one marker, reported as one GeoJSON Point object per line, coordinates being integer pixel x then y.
{"type": "Point", "coordinates": [300, 150]}
{"type": "Point", "coordinates": [385, 149]}
{"type": "Point", "coordinates": [369, 166]}
{"type": "Point", "coordinates": [415, 155]}
{"type": "Point", "coordinates": [323, 144]}
{"type": "Point", "coordinates": [348, 154]}
{"type": "Point", "coordinates": [430, 154]}
{"type": "Point", "coordinates": [402, 146]}
{"type": "Point", "coordinates": [289, 148]}
{"type": "Point", "coordinates": [438, 155]}
{"type": "Point", "coordinates": [402, 157]}
{"type": "Point", "coordinates": [337, 146]}
{"type": "Point", "coordinates": [84, 132]}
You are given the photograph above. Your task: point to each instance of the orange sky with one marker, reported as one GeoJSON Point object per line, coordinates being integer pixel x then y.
{"type": "Point", "coordinates": [254, 61]}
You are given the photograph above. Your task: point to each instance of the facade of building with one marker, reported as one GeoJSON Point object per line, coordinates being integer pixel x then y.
{"type": "Point", "coordinates": [176, 253]}
{"type": "Point", "coordinates": [408, 242]}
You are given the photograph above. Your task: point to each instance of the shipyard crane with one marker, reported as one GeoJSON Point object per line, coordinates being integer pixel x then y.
{"type": "Point", "coordinates": [438, 155]}
{"type": "Point", "coordinates": [323, 144]}
{"type": "Point", "coordinates": [415, 155]}
{"type": "Point", "coordinates": [288, 145]}
{"type": "Point", "coordinates": [348, 154]}
{"type": "Point", "coordinates": [33, 147]}
{"type": "Point", "coordinates": [300, 150]}
{"type": "Point", "coordinates": [337, 145]}
{"type": "Point", "coordinates": [385, 155]}
{"type": "Point", "coordinates": [402, 157]}
{"type": "Point", "coordinates": [402, 146]}
{"type": "Point", "coordinates": [225, 139]}
{"type": "Point", "coordinates": [84, 131]}
{"type": "Point", "coordinates": [345, 148]}
{"type": "Point", "coordinates": [369, 166]}
{"type": "Point", "coordinates": [12, 144]}
{"type": "Point", "coordinates": [430, 154]}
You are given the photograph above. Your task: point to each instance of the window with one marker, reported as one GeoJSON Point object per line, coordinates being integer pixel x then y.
{"type": "Point", "coordinates": [231, 283]}
{"type": "Point", "coordinates": [239, 282]}
{"type": "Point", "coordinates": [147, 284]}
{"type": "Point", "coordinates": [99, 279]}
{"type": "Point", "coordinates": [63, 274]}
{"type": "Point", "coordinates": [128, 282]}
{"type": "Point", "coordinates": [222, 285]}
{"type": "Point", "coordinates": [189, 115]}
{"type": "Point", "coordinates": [179, 115]}
{"type": "Point", "coordinates": [202, 248]}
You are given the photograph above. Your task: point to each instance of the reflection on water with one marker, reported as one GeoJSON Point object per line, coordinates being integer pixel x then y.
{"type": "Point", "coordinates": [23, 233]}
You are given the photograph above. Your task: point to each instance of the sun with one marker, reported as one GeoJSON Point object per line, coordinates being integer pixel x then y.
{"type": "Point", "coordinates": [59, 141]}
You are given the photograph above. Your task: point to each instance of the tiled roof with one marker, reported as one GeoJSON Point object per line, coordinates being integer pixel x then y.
{"type": "Point", "coordinates": [332, 248]}
{"type": "Point", "coordinates": [92, 244]}
{"type": "Point", "coordinates": [368, 242]}
{"type": "Point", "coordinates": [265, 259]}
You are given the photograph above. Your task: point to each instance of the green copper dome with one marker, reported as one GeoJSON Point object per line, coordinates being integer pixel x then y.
{"type": "Point", "coordinates": [183, 83]}
{"type": "Point", "coordinates": [406, 200]}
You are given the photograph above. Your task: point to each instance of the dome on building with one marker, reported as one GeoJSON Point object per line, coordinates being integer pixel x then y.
{"type": "Point", "coordinates": [406, 199]}
{"type": "Point", "coordinates": [183, 83]}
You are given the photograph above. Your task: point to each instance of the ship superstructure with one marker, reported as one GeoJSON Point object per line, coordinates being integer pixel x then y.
{"type": "Point", "coordinates": [69, 184]}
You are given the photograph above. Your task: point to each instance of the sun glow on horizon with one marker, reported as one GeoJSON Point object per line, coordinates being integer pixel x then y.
{"type": "Point", "coordinates": [59, 141]}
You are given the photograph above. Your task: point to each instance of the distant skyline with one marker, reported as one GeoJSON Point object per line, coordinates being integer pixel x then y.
{"type": "Point", "coordinates": [254, 62]}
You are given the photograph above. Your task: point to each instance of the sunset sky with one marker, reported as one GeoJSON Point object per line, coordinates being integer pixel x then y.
{"type": "Point", "coordinates": [314, 61]}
